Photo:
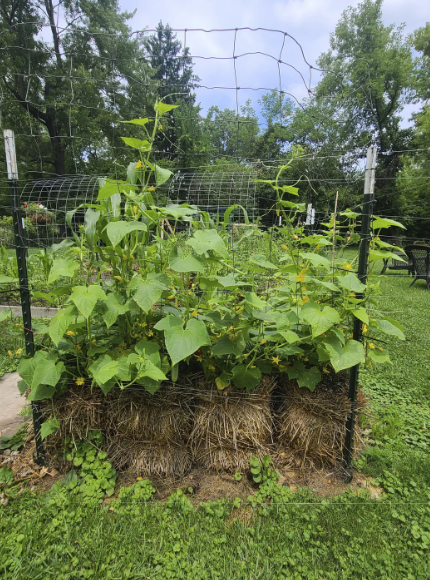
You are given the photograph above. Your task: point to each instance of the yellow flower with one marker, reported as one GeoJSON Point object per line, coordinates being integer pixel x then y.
{"type": "Point", "coordinates": [231, 328]}
{"type": "Point", "coordinates": [10, 353]}
{"type": "Point", "coordinates": [301, 277]}
{"type": "Point", "coordinates": [211, 367]}
{"type": "Point", "coordinates": [160, 128]}
{"type": "Point", "coordinates": [135, 209]}
{"type": "Point", "coordinates": [305, 299]}
{"type": "Point", "coordinates": [348, 238]}
{"type": "Point", "coordinates": [276, 359]}
{"type": "Point", "coordinates": [380, 348]}
{"type": "Point", "coordinates": [284, 247]}
{"type": "Point", "coordinates": [296, 237]}
{"type": "Point", "coordinates": [144, 324]}
{"type": "Point", "coordinates": [80, 381]}
{"type": "Point", "coordinates": [189, 293]}
{"type": "Point", "coordinates": [263, 341]}
{"type": "Point", "coordinates": [93, 341]}
{"type": "Point", "coordinates": [138, 478]}
{"type": "Point", "coordinates": [378, 238]}
{"type": "Point", "coordinates": [70, 333]}
{"type": "Point", "coordinates": [138, 165]}
{"type": "Point", "coordinates": [150, 333]}
{"type": "Point", "coordinates": [352, 293]}
{"type": "Point", "coordinates": [199, 358]}
{"type": "Point", "coordinates": [152, 188]}
{"type": "Point", "coordinates": [19, 351]}
{"type": "Point", "coordinates": [364, 328]}
{"type": "Point", "coordinates": [171, 297]}
{"type": "Point", "coordinates": [371, 345]}
{"type": "Point", "coordinates": [277, 212]}
{"type": "Point", "coordinates": [348, 266]}
{"type": "Point", "coordinates": [194, 313]}
{"type": "Point", "coordinates": [124, 256]}
{"type": "Point", "coordinates": [118, 278]}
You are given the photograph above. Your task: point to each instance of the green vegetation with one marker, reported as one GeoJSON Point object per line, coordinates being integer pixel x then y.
{"type": "Point", "coordinates": [274, 534]}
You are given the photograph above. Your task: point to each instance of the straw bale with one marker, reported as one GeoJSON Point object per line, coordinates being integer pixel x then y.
{"type": "Point", "coordinates": [311, 425]}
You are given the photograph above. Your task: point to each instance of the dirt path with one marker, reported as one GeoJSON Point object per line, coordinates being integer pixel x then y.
{"type": "Point", "coordinates": [11, 404]}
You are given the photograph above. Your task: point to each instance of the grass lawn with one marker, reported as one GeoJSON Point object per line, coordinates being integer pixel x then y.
{"type": "Point", "coordinates": [276, 534]}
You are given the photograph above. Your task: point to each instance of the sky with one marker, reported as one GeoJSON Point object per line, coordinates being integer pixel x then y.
{"type": "Point", "coordinates": [309, 22]}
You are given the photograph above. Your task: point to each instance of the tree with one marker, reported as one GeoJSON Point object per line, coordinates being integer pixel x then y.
{"type": "Point", "coordinates": [367, 82]}
{"type": "Point", "coordinates": [173, 69]}
{"type": "Point", "coordinates": [67, 84]}
{"type": "Point", "coordinates": [277, 111]}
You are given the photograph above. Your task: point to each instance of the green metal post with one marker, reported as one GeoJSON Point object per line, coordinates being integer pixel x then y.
{"type": "Point", "coordinates": [369, 186]}
{"type": "Point", "coordinates": [24, 289]}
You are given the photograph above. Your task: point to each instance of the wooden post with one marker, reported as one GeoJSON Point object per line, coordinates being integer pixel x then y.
{"type": "Point", "coordinates": [24, 289]}
{"type": "Point", "coordinates": [369, 187]}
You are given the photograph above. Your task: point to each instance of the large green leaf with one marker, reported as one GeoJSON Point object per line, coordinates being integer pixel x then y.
{"type": "Point", "coordinates": [388, 327]}
{"type": "Point", "coordinates": [110, 187]}
{"type": "Point", "coordinates": [140, 122]}
{"type": "Point", "coordinates": [5, 314]}
{"type": "Point", "coordinates": [61, 322]}
{"type": "Point", "coordinates": [253, 300]}
{"type": "Point", "coordinates": [47, 372]}
{"type": "Point", "coordinates": [351, 283]}
{"type": "Point", "coordinates": [103, 369]}
{"type": "Point", "coordinates": [344, 357]}
{"type": "Point", "coordinates": [151, 350]}
{"type": "Point", "coordinates": [117, 230]}
{"type": "Point", "coordinates": [113, 307]}
{"type": "Point", "coordinates": [188, 264]}
{"type": "Point", "coordinates": [205, 240]}
{"type": "Point", "coordinates": [382, 223]}
{"type": "Point", "coordinates": [316, 259]}
{"type": "Point", "coordinates": [163, 108]}
{"type": "Point", "coordinates": [246, 379]}
{"type": "Point", "coordinates": [320, 320]}
{"type": "Point", "coordinates": [41, 393]}
{"type": "Point", "coordinates": [361, 314]}
{"type": "Point", "coordinates": [6, 279]}
{"type": "Point", "coordinates": [62, 267]}
{"type": "Point", "coordinates": [141, 145]}
{"type": "Point", "coordinates": [148, 291]}
{"type": "Point", "coordinates": [90, 222]}
{"type": "Point", "coordinates": [308, 378]}
{"type": "Point", "coordinates": [260, 260]}
{"type": "Point", "coordinates": [375, 255]}
{"type": "Point", "coordinates": [161, 175]}
{"type": "Point", "coordinates": [180, 342]}
{"type": "Point", "coordinates": [86, 298]}
{"type": "Point", "coordinates": [226, 345]}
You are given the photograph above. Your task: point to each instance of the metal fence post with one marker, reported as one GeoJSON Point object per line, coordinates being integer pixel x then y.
{"type": "Point", "coordinates": [369, 187]}
{"type": "Point", "coordinates": [24, 289]}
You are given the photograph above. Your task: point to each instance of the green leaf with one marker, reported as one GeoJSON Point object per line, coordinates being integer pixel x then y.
{"type": "Point", "coordinates": [117, 230]}
{"type": "Point", "coordinates": [60, 323]}
{"type": "Point", "coordinates": [41, 392]}
{"type": "Point", "coordinates": [103, 369]}
{"type": "Point", "coordinates": [361, 314]}
{"type": "Point", "coordinates": [223, 381]}
{"type": "Point", "coordinates": [6, 475]}
{"type": "Point", "coordinates": [225, 346]}
{"type": "Point", "coordinates": [22, 386]}
{"type": "Point", "coordinates": [47, 371]}
{"type": "Point", "coordinates": [90, 222]}
{"type": "Point", "coordinates": [188, 264]}
{"type": "Point", "coordinates": [62, 267]}
{"type": "Point", "coordinates": [182, 343]}
{"type": "Point", "coordinates": [378, 357]}
{"type": "Point", "coordinates": [86, 298]}
{"type": "Point", "coordinates": [140, 122]}
{"type": "Point", "coordinates": [290, 189]}
{"type": "Point", "coordinates": [344, 357]}
{"type": "Point", "coordinates": [110, 187]}
{"type": "Point", "coordinates": [163, 107]}
{"type": "Point", "coordinates": [388, 327]}
{"type": "Point", "coordinates": [150, 370]}
{"type": "Point", "coordinates": [229, 281]}
{"type": "Point", "coordinates": [320, 320]}
{"type": "Point", "coordinates": [151, 350]}
{"type": "Point", "coordinates": [375, 255]}
{"type": "Point", "coordinates": [253, 300]}
{"type": "Point", "coordinates": [49, 427]}
{"type": "Point", "coordinates": [308, 378]}
{"type": "Point", "coordinates": [206, 240]}
{"type": "Point", "coordinates": [381, 223]}
{"type": "Point", "coordinates": [141, 145]}
{"type": "Point", "coordinates": [290, 336]}
{"type": "Point", "coordinates": [316, 259]}
{"type": "Point", "coordinates": [113, 307]}
{"type": "Point", "coordinates": [351, 283]}
{"type": "Point", "coordinates": [260, 260]}
{"type": "Point", "coordinates": [161, 175]}
{"type": "Point", "coordinates": [246, 379]}
{"type": "Point", "coordinates": [148, 291]}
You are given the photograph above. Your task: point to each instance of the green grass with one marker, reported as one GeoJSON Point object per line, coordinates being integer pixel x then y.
{"type": "Point", "coordinates": [288, 536]}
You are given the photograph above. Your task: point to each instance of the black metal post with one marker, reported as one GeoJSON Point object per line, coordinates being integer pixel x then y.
{"type": "Point", "coordinates": [369, 185]}
{"type": "Point", "coordinates": [24, 289]}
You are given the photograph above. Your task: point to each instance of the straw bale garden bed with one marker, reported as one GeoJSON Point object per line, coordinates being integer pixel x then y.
{"type": "Point", "coordinates": [184, 351]}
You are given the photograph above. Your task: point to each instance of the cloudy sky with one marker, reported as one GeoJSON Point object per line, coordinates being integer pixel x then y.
{"type": "Point", "coordinates": [310, 22]}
